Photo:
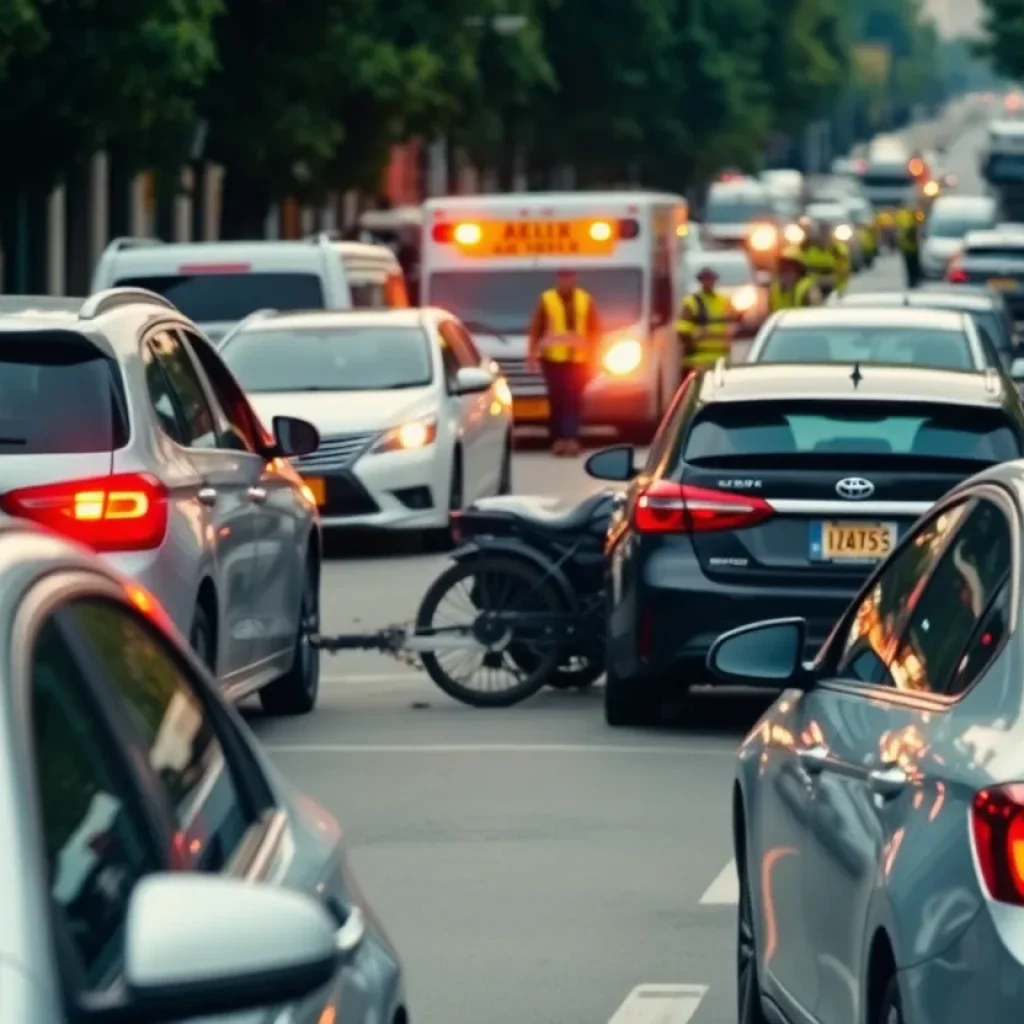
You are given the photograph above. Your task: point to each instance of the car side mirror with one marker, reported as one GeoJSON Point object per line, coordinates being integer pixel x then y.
{"type": "Point", "coordinates": [295, 437]}
{"type": "Point", "coordinates": [471, 380]}
{"type": "Point", "coordinates": [617, 464]}
{"type": "Point", "coordinates": [765, 654]}
{"type": "Point", "coordinates": [198, 945]}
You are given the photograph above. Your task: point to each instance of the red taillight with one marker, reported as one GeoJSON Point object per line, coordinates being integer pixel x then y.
{"type": "Point", "coordinates": [667, 507]}
{"type": "Point", "coordinates": [123, 512]}
{"type": "Point", "coordinates": [997, 827]}
{"type": "Point", "coordinates": [956, 275]}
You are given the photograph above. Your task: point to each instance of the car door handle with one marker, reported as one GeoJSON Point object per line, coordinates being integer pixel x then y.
{"type": "Point", "coordinates": [888, 782]}
{"type": "Point", "coordinates": [208, 495]}
{"type": "Point", "coordinates": [257, 494]}
{"type": "Point", "coordinates": [812, 759]}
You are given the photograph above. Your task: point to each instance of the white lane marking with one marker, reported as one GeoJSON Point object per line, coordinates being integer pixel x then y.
{"type": "Point", "coordinates": [725, 889]}
{"type": "Point", "coordinates": [660, 1004]}
{"type": "Point", "coordinates": [487, 748]}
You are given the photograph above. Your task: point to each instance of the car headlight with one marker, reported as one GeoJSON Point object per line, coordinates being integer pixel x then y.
{"type": "Point", "coordinates": [744, 299]}
{"type": "Point", "coordinates": [502, 391]}
{"type": "Point", "coordinates": [408, 436]}
{"type": "Point", "coordinates": [763, 238]}
{"type": "Point", "coordinates": [843, 233]}
{"type": "Point", "coordinates": [623, 357]}
{"type": "Point", "coordinates": [931, 188]}
{"type": "Point", "coordinates": [794, 234]}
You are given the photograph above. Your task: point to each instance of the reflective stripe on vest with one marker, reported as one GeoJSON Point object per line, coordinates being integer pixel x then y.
{"type": "Point", "coordinates": [709, 314]}
{"type": "Point", "coordinates": [558, 326]}
{"type": "Point", "coordinates": [706, 352]}
{"type": "Point", "coordinates": [820, 262]}
{"type": "Point", "coordinates": [780, 298]}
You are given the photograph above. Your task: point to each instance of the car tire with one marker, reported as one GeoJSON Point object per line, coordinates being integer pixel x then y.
{"type": "Point", "coordinates": [202, 638]}
{"type": "Point", "coordinates": [629, 702]}
{"type": "Point", "coordinates": [505, 479]}
{"type": "Point", "coordinates": [891, 1010]}
{"type": "Point", "coordinates": [296, 692]}
{"type": "Point", "coordinates": [456, 485]}
{"type": "Point", "coordinates": [749, 1008]}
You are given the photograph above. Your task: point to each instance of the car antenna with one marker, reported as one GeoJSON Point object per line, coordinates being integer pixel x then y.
{"type": "Point", "coordinates": [856, 376]}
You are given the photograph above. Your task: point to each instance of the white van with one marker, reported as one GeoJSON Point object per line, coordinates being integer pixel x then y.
{"type": "Point", "coordinates": [488, 258]}
{"type": "Point", "coordinates": [218, 284]}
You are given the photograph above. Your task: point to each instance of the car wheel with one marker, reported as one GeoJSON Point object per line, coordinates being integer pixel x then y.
{"type": "Point", "coordinates": [892, 1008]}
{"type": "Point", "coordinates": [748, 988]}
{"type": "Point", "coordinates": [202, 638]}
{"type": "Point", "coordinates": [629, 701]}
{"type": "Point", "coordinates": [505, 480]}
{"type": "Point", "coordinates": [295, 692]}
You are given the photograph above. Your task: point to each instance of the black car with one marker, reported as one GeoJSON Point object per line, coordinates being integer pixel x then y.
{"type": "Point", "coordinates": [772, 491]}
{"type": "Point", "coordinates": [985, 307]}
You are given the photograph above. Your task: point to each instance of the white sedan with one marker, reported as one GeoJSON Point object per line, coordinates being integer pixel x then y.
{"type": "Point", "coordinates": [414, 422]}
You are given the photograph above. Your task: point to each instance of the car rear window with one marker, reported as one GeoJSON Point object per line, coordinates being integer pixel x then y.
{"type": "Point", "coordinates": [935, 349]}
{"type": "Point", "coordinates": [217, 297]}
{"type": "Point", "coordinates": [59, 394]}
{"type": "Point", "coordinates": [996, 252]}
{"type": "Point", "coordinates": [819, 433]}
{"type": "Point", "coordinates": [728, 210]}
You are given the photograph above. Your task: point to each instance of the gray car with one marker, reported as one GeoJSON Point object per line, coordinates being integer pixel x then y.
{"type": "Point", "coordinates": [134, 803]}
{"type": "Point", "coordinates": [121, 427]}
{"type": "Point", "coordinates": [950, 219]}
{"type": "Point", "coordinates": [877, 806]}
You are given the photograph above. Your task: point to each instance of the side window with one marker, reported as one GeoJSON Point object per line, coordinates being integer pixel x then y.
{"type": "Point", "coordinates": [958, 596]}
{"type": "Point", "coordinates": [163, 399]}
{"type": "Point", "coordinates": [988, 638]}
{"type": "Point", "coordinates": [465, 348]}
{"type": "Point", "coordinates": [868, 646]}
{"type": "Point", "coordinates": [97, 841]}
{"type": "Point", "coordinates": [197, 420]}
{"type": "Point", "coordinates": [242, 428]}
{"type": "Point", "coordinates": [448, 355]}
{"type": "Point", "coordinates": [174, 726]}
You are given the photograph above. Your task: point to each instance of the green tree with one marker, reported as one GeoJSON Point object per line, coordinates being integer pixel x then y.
{"type": "Point", "coordinates": [1003, 22]}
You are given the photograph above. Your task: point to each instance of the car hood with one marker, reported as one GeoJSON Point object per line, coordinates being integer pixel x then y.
{"type": "Point", "coordinates": [339, 412]}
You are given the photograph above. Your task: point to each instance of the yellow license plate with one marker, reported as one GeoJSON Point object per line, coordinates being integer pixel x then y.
{"type": "Point", "coordinates": [530, 409]}
{"type": "Point", "coordinates": [317, 488]}
{"type": "Point", "coordinates": [588, 237]}
{"type": "Point", "coordinates": [854, 541]}
{"type": "Point", "coordinates": [1003, 284]}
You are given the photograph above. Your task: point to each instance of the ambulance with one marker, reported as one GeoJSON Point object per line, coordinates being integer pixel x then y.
{"type": "Point", "coordinates": [487, 259]}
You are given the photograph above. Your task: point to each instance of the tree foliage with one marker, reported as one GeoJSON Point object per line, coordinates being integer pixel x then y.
{"type": "Point", "coordinates": [1003, 22]}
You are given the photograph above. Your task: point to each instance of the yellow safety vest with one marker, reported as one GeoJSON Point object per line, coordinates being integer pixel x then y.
{"type": "Point", "coordinates": [704, 324]}
{"type": "Point", "coordinates": [820, 262]}
{"type": "Point", "coordinates": [791, 298]}
{"type": "Point", "coordinates": [556, 351]}
{"type": "Point", "coordinates": [907, 231]}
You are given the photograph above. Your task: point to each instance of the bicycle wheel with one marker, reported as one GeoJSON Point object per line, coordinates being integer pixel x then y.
{"type": "Point", "coordinates": [469, 595]}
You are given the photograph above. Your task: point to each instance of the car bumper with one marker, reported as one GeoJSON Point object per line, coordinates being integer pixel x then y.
{"type": "Point", "coordinates": [406, 490]}
{"type": "Point", "coordinates": [607, 400]}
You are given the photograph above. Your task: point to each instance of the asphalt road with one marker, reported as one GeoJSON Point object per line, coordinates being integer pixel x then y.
{"type": "Point", "coordinates": [532, 866]}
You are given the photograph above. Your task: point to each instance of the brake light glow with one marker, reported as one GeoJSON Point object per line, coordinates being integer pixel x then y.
{"type": "Point", "coordinates": [601, 231]}
{"type": "Point", "coordinates": [214, 268]}
{"type": "Point", "coordinates": [916, 167]}
{"type": "Point", "coordinates": [763, 237]}
{"type": "Point", "coordinates": [123, 512]}
{"type": "Point", "coordinates": [997, 829]}
{"type": "Point", "coordinates": [666, 507]}
{"type": "Point", "coordinates": [468, 234]}
{"type": "Point", "coordinates": [956, 275]}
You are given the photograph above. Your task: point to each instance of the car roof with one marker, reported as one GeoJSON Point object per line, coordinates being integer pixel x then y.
{"type": "Point", "coordinates": [162, 258]}
{"type": "Point", "coordinates": [770, 381]}
{"type": "Point", "coordinates": [856, 316]}
{"type": "Point", "coordinates": [319, 319]}
{"type": "Point", "coordinates": [1008, 238]}
{"type": "Point", "coordinates": [961, 202]}
{"type": "Point", "coordinates": [973, 301]}
{"type": "Point", "coordinates": [517, 200]}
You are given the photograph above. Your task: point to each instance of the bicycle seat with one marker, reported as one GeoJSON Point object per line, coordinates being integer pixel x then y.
{"type": "Point", "coordinates": [547, 513]}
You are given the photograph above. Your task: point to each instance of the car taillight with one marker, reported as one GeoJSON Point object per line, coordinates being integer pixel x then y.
{"type": "Point", "coordinates": [123, 512]}
{"type": "Point", "coordinates": [956, 275]}
{"type": "Point", "coordinates": [666, 507]}
{"type": "Point", "coordinates": [997, 827]}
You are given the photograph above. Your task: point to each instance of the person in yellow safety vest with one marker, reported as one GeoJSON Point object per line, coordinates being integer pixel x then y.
{"type": "Point", "coordinates": [562, 342]}
{"type": "Point", "coordinates": [826, 260]}
{"type": "Point", "coordinates": [792, 286]}
{"type": "Point", "coordinates": [908, 238]}
{"type": "Point", "coordinates": [706, 324]}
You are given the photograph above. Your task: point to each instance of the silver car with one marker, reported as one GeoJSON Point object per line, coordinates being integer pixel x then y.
{"type": "Point", "coordinates": [155, 867]}
{"type": "Point", "coordinates": [949, 220]}
{"type": "Point", "coordinates": [121, 427]}
{"type": "Point", "coordinates": [878, 808]}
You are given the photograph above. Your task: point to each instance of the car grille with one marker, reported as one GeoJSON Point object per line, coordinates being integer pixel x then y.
{"type": "Point", "coordinates": [337, 451]}
{"type": "Point", "coordinates": [521, 382]}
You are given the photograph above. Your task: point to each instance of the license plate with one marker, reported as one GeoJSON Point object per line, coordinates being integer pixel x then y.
{"type": "Point", "coordinates": [851, 542]}
{"type": "Point", "coordinates": [1003, 284]}
{"type": "Point", "coordinates": [530, 409]}
{"type": "Point", "coordinates": [317, 488]}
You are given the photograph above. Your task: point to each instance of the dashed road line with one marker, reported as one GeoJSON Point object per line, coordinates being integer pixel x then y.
{"type": "Point", "coordinates": [725, 889]}
{"type": "Point", "coordinates": [660, 1004]}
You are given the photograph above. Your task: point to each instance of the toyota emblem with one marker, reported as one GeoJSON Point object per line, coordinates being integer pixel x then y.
{"type": "Point", "coordinates": [855, 488]}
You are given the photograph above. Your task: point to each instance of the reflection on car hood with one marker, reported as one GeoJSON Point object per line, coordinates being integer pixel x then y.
{"type": "Point", "coordinates": [341, 412]}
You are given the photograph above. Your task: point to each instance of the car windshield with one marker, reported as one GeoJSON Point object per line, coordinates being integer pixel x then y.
{"type": "Point", "coordinates": [723, 210]}
{"type": "Point", "coordinates": [504, 300]}
{"type": "Point", "coordinates": [936, 349]}
{"type": "Point", "coordinates": [219, 297]}
{"type": "Point", "coordinates": [365, 358]}
{"type": "Point", "coordinates": [956, 225]}
{"type": "Point", "coordinates": [755, 431]}
{"type": "Point", "coordinates": [1006, 168]}
{"type": "Point", "coordinates": [888, 177]}
{"type": "Point", "coordinates": [58, 394]}
{"type": "Point", "coordinates": [1009, 253]}
{"type": "Point", "coordinates": [995, 325]}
